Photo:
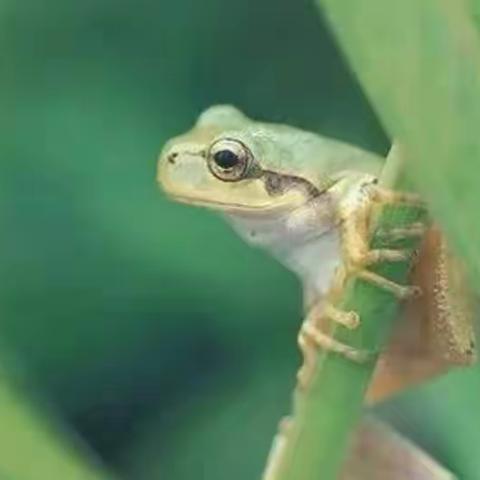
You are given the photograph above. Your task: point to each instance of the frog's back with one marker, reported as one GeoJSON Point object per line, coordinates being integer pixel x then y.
{"type": "Point", "coordinates": [291, 151]}
{"type": "Point", "coordinates": [301, 151]}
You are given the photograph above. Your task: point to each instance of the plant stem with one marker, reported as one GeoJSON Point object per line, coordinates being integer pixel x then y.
{"type": "Point", "coordinates": [329, 409]}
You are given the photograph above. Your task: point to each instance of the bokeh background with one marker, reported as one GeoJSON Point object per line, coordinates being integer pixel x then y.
{"type": "Point", "coordinates": [159, 342]}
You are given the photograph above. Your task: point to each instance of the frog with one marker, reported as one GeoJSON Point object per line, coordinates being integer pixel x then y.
{"type": "Point", "coordinates": [308, 200]}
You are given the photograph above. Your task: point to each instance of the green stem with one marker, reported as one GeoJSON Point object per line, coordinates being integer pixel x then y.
{"type": "Point", "coordinates": [327, 412]}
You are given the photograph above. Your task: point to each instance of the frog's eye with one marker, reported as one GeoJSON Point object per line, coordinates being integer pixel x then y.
{"type": "Point", "coordinates": [229, 159]}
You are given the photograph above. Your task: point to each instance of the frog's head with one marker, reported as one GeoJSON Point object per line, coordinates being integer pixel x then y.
{"type": "Point", "coordinates": [227, 162]}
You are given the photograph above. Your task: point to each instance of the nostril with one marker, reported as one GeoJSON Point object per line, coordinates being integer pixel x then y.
{"type": "Point", "coordinates": [171, 158]}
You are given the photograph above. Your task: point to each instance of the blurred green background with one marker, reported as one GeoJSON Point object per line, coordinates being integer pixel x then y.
{"type": "Point", "coordinates": [148, 327]}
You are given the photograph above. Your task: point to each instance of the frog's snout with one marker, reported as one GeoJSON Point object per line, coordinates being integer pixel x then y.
{"type": "Point", "coordinates": [182, 170]}
{"type": "Point", "coordinates": [169, 155]}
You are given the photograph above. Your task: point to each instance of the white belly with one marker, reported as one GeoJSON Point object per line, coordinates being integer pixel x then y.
{"type": "Point", "coordinates": [307, 242]}
{"type": "Point", "coordinates": [315, 261]}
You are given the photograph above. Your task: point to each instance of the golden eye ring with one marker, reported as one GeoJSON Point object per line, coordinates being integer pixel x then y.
{"type": "Point", "coordinates": [229, 159]}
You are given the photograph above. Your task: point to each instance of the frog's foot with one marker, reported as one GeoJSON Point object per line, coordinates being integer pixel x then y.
{"type": "Point", "coordinates": [357, 265]}
{"type": "Point", "coordinates": [402, 292]}
{"type": "Point", "coordinates": [355, 233]}
{"type": "Point", "coordinates": [358, 258]}
{"type": "Point", "coordinates": [311, 335]}
{"type": "Point", "coordinates": [350, 319]}
{"type": "Point", "coordinates": [309, 345]}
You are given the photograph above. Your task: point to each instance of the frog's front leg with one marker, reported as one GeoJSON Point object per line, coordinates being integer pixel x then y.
{"type": "Point", "coordinates": [355, 236]}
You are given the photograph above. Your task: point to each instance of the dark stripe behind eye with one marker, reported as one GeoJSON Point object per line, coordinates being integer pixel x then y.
{"type": "Point", "coordinates": [277, 184]}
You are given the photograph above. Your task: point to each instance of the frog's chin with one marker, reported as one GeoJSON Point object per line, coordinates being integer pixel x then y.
{"type": "Point", "coordinates": [279, 207]}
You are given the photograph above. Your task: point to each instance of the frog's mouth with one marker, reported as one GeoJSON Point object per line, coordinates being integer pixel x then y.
{"type": "Point", "coordinates": [276, 207]}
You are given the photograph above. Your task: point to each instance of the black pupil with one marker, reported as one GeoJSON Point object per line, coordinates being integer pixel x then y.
{"type": "Point", "coordinates": [226, 159]}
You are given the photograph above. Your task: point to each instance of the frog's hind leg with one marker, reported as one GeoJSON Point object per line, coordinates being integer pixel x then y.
{"type": "Point", "coordinates": [435, 330]}
{"type": "Point", "coordinates": [313, 336]}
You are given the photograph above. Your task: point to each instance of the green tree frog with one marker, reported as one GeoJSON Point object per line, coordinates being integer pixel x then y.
{"type": "Point", "coordinates": [307, 199]}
